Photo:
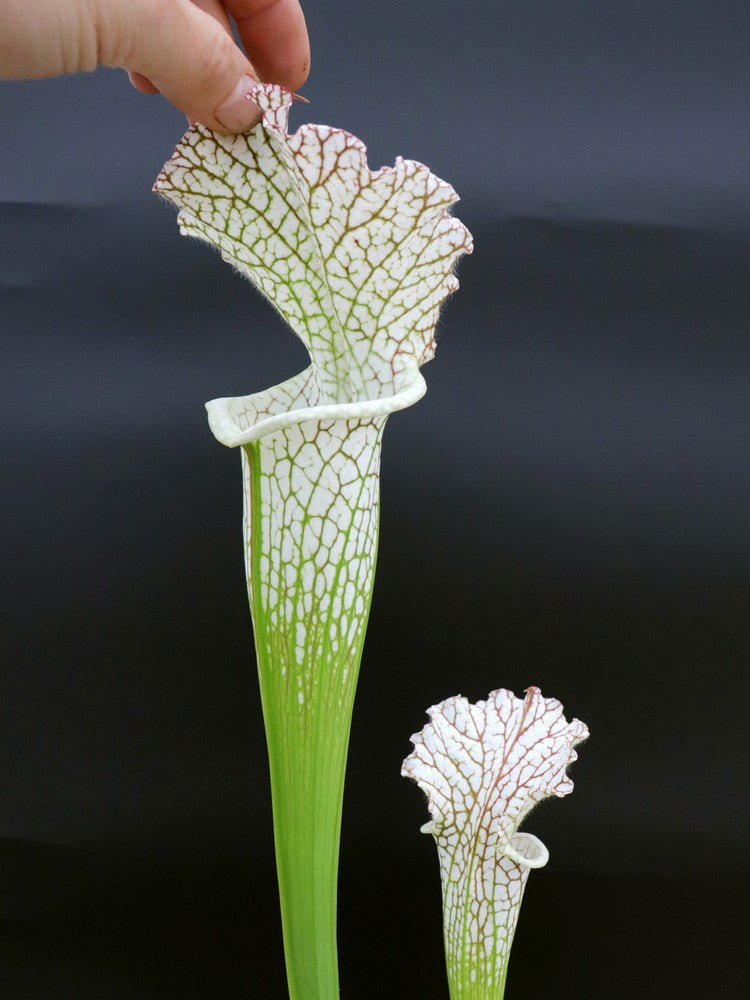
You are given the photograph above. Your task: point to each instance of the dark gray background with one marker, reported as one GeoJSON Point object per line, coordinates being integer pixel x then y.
{"type": "Point", "coordinates": [567, 507]}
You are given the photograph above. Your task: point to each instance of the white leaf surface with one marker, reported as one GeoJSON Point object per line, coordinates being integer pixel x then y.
{"type": "Point", "coordinates": [483, 767]}
{"type": "Point", "coordinates": [357, 261]}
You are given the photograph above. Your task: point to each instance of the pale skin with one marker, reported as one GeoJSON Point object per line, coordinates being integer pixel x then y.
{"type": "Point", "coordinates": [182, 49]}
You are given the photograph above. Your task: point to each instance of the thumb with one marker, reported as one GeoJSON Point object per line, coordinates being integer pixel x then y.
{"type": "Point", "coordinates": [186, 54]}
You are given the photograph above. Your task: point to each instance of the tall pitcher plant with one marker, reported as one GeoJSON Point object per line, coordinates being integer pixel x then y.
{"type": "Point", "coordinates": [358, 263]}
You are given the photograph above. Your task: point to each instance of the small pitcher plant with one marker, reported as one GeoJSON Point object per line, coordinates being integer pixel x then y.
{"type": "Point", "coordinates": [358, 262]}
{"type": "Point", "coordinates": [483, 768]}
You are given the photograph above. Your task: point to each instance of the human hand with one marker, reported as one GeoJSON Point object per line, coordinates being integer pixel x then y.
{"type": "Point", "coordinates": [180, 48]}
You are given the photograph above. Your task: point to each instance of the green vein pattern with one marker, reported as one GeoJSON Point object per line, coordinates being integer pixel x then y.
{"type": "Point", "coordinates": [483, 767]}
{"type": "Point", "coordinates": [358, 263]}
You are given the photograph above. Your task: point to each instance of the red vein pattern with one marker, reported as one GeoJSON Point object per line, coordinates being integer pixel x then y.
{"type": "Point", "coordinates": [483, 767]}
{"type": "Point", "coordinates": [357, 261]}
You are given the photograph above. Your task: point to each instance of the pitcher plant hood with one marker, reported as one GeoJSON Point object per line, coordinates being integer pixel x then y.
{"type": "Point", "coordinates": [358, 262]}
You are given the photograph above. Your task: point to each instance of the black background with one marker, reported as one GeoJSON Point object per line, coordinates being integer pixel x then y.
{"type": "Point", "coordinates": [567, 507]}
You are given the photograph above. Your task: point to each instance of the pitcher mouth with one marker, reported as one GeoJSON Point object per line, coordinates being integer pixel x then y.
{"type": "Point", "coordinates": [527, 851]}
{"type": "Point", "coordinates": [239, 420]}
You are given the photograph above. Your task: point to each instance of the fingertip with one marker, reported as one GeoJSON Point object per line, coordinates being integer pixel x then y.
{"type": "Point", "coordinates": [276, 40]}
{"type": "Point", "coordinates": [142, 83]}
{"type": "Point", "coordinates": [295, 76]}
{"type": "Point", "coordinates": [290, 68]}
{"type": "Point", "coordinates": [239, 112]}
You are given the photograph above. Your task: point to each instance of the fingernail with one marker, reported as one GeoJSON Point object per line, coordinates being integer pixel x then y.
{"type": "Point", "coordinates": [239, 111]}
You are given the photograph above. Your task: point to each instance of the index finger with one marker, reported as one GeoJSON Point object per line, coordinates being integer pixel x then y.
{"type": "Point", "coordinates": [274, 34]}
